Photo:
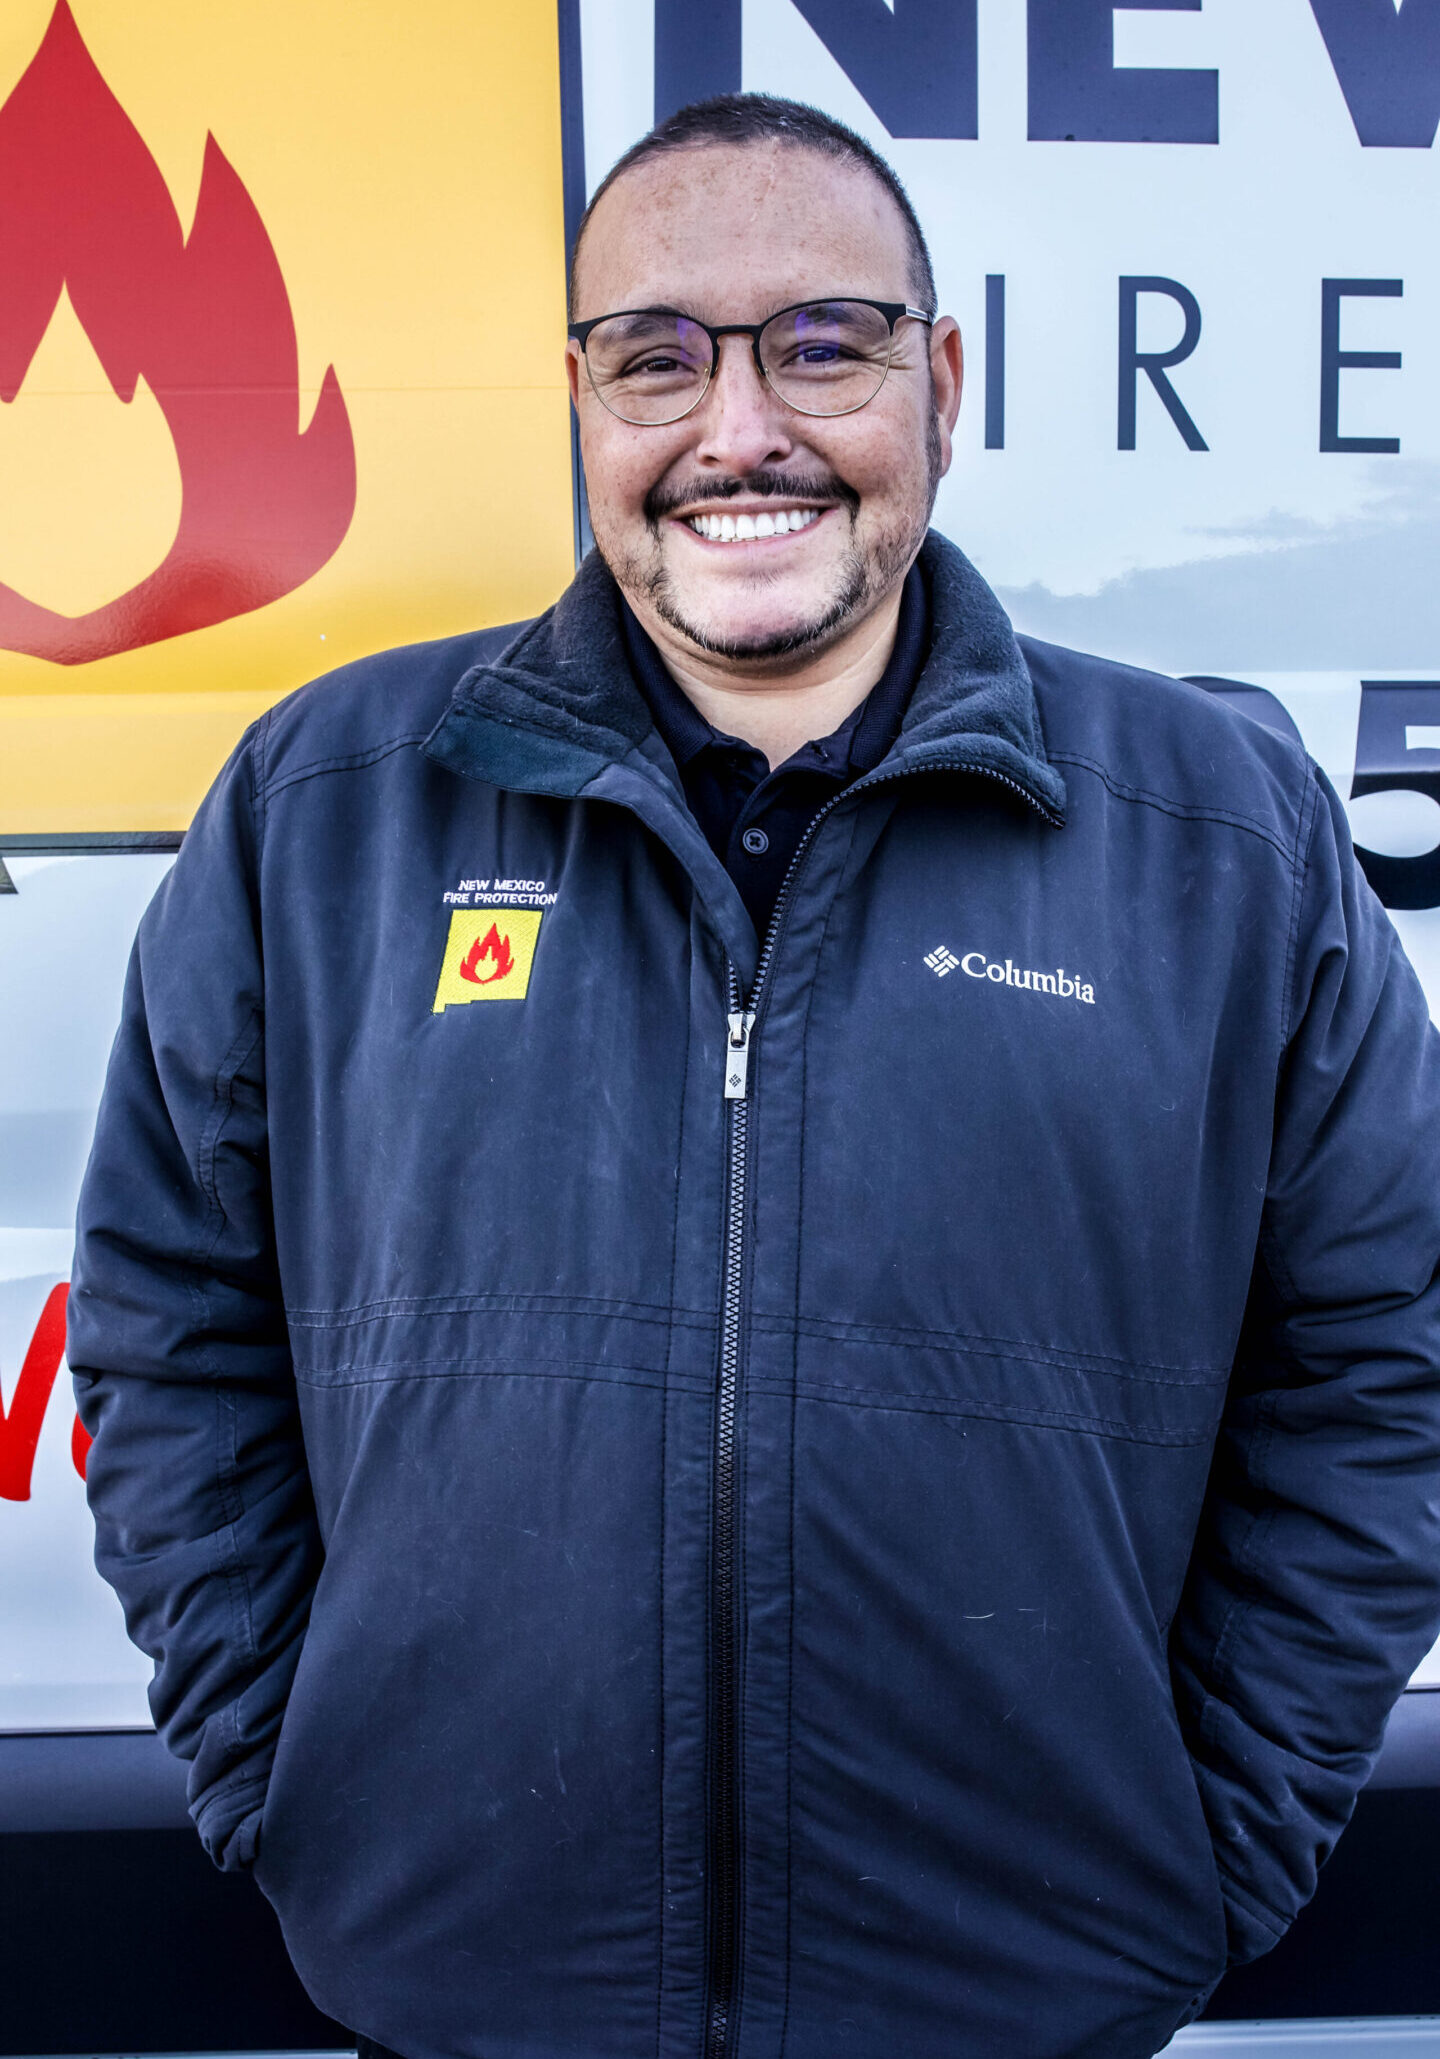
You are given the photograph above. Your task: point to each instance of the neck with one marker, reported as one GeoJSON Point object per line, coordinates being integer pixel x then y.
{"type": "Point", "coordinates": [783, 703]}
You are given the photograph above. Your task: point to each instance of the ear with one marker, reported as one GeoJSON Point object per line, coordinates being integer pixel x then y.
{"type": "Point", "coordinates": [947, 378]}
{"type": "Point", "coordinates": [572, 371]}
{"type": "Point", "coordinates": [947, 368]}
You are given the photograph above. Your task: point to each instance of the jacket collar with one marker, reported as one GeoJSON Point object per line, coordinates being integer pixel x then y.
{"type": "Point", "coordinates": [560, 705]}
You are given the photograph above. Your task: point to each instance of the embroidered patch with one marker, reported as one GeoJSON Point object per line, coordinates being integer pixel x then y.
{"type": "Point", "coordinates": [488, 955]}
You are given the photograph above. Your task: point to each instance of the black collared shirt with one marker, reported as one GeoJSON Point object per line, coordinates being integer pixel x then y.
{"type": "Point", "coordinates": [753, 818]}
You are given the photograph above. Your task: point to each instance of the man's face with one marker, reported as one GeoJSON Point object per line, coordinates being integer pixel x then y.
{"type": "Point", "coordinates": [730, 234]}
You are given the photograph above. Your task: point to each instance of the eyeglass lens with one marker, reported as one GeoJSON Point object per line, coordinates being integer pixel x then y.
{"type": "Point", "coordinates": [825, 359]}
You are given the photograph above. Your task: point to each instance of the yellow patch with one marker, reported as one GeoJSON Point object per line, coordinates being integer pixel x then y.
{"type": "Point", "coordinates": [488, 956]}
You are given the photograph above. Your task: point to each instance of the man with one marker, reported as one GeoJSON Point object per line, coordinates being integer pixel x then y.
{"type": "Point", "coordinates": [757, 1292]}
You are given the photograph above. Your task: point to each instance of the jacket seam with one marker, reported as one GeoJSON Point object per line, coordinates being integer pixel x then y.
{"type": "Point", "coordinates": [1304, 833]}
{"type": "Point", "coordinates": [231, 1503]}
{"type": "Point", "coordinates": [904, 1337]}
{"type": "Point", "coordinates": [320, 1374]}
{"type": "Point", "coordinates": [843, 1388]}
{"type": "Point", "coordinates": [237, 1590]}
{"type": "Point", "coordinates": [363, 1312]}
{"type": "Point", "coordinates": [1269, 1252]}
{"type": "Point", "coordinates": [652, 1379]}
{"type": "Point", "coordinates": [258, 751]}
{"type": "Point", "coordinates": [654, 1315]}
{"type": "Point", "coordinates": [822, 1325]}
{"type": "Point", "coordinates": [1190, 811]}
{"type": "Point", "coordinates": [995, 1412]}
{"type": "Point", "coordinates": [353, 761]}
{"type": "Point", "coordinates": [1246, 1561]}
{"type": "Point", "coordinates": [237, 1576]}
{"type": "Point", "coordinates": [1267, 1241]}
{"type": "Point", "coordinates": [222, 1106]}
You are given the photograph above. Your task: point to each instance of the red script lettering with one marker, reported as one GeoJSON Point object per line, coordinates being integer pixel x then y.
{"type": "Point", "coordinates": [20, 1429]}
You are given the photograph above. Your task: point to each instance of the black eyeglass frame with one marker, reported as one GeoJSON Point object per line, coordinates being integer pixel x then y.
{"type": "Point", "coordinates": [894, 312]}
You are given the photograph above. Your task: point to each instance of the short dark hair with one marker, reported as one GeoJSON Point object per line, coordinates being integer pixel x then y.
{"type": "Point", "coordinates": [745, 118]}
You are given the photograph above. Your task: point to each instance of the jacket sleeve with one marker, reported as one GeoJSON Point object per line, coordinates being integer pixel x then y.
{"type": "Point", "coordinates": [204, 1519]}
{"type": "Point", "coordinates": [1314, 1590]}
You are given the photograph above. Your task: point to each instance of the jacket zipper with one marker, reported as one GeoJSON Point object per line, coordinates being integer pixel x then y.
{"type": "Point", "coordinates": [740, 1019]}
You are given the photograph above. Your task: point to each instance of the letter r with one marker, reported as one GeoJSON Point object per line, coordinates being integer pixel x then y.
{"type": "Point", "coordinates": [1155, 363]}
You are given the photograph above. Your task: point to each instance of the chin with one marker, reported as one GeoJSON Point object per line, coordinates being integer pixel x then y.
{"type": "Point", "coordinates": [752, 634]}
{"type": "Point", "coordinates": [767, 623]}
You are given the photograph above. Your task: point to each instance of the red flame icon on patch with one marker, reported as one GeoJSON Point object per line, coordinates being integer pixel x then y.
{"type": "Point", "coordinates": [494, 947]}
{"type": "Point", "coordinates": [207, 321]}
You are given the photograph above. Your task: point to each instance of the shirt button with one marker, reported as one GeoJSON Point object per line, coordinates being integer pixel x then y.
{"type": "Point", "coordinates": [756, 842]}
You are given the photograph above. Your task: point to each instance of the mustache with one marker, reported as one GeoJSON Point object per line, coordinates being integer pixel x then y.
{"type": "Point", "coordinates": [764, 484]}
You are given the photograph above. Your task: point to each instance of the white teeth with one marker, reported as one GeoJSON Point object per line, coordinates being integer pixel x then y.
{"type": "Point", "coordinates": [748, 528]}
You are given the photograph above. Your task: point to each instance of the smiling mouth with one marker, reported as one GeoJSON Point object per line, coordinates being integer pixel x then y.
{"type": "Point", "coordinates": [752, 528]}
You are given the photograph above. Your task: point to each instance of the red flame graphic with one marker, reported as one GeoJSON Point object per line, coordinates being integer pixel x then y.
{"type": "Point", "coordinates": [20, 1430]}
{"type": "Point", "coordinates": [494, 947]}
{"type": "Point", "coordinates": [207, 321]}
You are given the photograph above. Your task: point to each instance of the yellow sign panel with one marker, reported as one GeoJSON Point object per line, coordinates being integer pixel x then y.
{"type": "Point", "coordinates": [281, 371]}
{"type": "Point", "coordinates": [488, 955]}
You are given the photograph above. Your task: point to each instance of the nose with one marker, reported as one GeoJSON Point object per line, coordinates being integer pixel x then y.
{"type": "Point", "coordinates": [743, 422]}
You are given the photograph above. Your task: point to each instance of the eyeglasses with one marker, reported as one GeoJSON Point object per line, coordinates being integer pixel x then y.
{"type": "Point", "coordinates": [650, 365]}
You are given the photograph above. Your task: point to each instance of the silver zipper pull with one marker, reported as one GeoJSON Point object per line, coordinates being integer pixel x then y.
{"type": "Point", "coordinates": [737, 1055]}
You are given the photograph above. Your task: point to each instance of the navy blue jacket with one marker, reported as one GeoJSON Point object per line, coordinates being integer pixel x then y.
{"type": "Point", "coordinates": [909, 1558]}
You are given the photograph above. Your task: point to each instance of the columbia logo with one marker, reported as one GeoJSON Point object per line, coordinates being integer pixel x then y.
{"type": "Point", "coordinates": [941, 961]}
{"type": "Point", "coordinates": [1066, 986]}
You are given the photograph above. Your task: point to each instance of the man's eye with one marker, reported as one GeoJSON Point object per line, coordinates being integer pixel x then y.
{"type": "Point", "coordinates": [657, 364]}
{"type": "Point", "coordinates": [814, 356]}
